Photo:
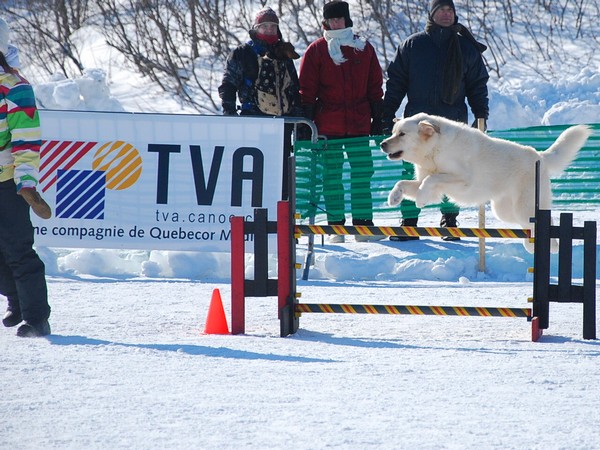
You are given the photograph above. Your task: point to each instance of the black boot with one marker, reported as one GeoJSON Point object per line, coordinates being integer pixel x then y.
{"type": "Point", "coordinates": [406, 223]}
{"type": "Point", "coordinates": [12, 317]}
{"type": "Point", "coordinates": [34, 329]}
{"type": "Point", "coordinates": [449, 221]}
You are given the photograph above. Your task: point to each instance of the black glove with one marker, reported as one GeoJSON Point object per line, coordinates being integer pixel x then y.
{"type": "Point", "coordinates": [308, 111]}
{"type": "Point", "coordinates": [376, 115]}
{"type": "Point", "coordinates": [387, 123]}
{"type": "Point", "coordinates": [388, 116]}
{"type": "Point", "coordinates": [296, 111]}
{"type": "Point", "coordinates": [303, 133]}
{"type": "Point", "coordinates": [474, 124]}
{"type": "Point", "coordinates": [229, 109]}
{"type": "Point", "coordinates": [376, 128]}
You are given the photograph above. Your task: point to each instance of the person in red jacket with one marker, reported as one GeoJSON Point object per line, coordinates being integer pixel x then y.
{"type": "Point", "coordinates": [341, 90]}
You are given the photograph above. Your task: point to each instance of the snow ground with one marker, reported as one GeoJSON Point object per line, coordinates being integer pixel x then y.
{"type": "Point", "coordinates": [128, 365]}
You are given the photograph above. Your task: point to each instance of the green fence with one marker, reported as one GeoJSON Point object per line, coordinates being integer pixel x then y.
{"type": "Point", "coordinates": [578, 187]}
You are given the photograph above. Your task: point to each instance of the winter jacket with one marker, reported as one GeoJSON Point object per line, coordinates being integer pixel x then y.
{"type": "Point", "coordinates": [343, 98]}
{"type": "Point", "coordinates": [240, 78]}
{"type": "Point", "coordinates": [417, 72]}
{"type": "Point", "coordinates": [20, 134]}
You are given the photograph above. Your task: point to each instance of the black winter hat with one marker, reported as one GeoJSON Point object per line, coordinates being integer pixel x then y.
{"type": "Point", "coordinates": [337, 8]}
{"type": "Point", "coordinates": [435, 4]}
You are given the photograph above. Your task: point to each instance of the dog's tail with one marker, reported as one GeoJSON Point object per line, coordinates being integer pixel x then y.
{"type": "Point", "coordinates": [560, 154]}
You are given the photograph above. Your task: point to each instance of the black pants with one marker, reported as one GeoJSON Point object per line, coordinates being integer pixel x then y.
{"type": "Point", "coordinates": [22, 272]}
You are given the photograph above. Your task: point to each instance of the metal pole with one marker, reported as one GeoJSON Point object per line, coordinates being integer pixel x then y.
{"type": "Point", "coordinates": [481, 127]}
{"type": "Point", "coordinates": [314, 139]}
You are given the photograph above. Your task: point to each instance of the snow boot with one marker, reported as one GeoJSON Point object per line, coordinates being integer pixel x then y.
{"type": "Point", "coordinates": [406, 223]}
{"type": "Point", "coordinates": [34, 329]}
{"type": "Point", "coordinates": [449, 221]}
{"type": "Point", "coordinates": [12, 317]}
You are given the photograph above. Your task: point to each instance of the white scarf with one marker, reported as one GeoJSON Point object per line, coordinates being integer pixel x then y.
{"type": "Point", "coordinates": [12, 57]}
{"type": "Point", "coordinates": [336, 38]}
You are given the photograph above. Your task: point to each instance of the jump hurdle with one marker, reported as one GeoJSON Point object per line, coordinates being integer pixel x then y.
{"type": "Point", "coordinates": [413, 310]}
{"type": "Point", "coordinates": [564, 291]}
{"type": "Point", "coordinates": [289, 308]}
{"type": "Point", "coordinates": [413, 231]}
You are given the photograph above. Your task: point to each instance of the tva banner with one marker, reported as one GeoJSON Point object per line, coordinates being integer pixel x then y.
{"type": "Point", "coordinates": [154, 181]}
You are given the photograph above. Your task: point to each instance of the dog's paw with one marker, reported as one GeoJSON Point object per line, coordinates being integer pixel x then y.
{"type": "Point", "coordinates": [395, 196]}
{"type": "Point", "coordinates": [529, 246]}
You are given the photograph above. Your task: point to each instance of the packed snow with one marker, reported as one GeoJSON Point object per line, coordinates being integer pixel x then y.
{"type": "Point", "coordinates": [128, 364]}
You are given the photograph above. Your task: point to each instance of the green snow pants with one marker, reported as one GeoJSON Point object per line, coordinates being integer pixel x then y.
{"type": "Point", "coordinates": [361, 172]}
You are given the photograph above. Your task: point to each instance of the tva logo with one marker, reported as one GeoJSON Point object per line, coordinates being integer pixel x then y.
{"type": "Point", "coordinates": [80, 194]}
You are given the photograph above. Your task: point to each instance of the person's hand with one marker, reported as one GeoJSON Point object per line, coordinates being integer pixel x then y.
{"type": "Point", "coordinates": [376, 117]}
{"type": "Point", "coordinates": [376, 128]}
{"type": "Point", "coordinates": [303, 133]}
{"type": "Point", "coordinates": [386, 126]}
{"type": "Point", "coordinates": [229, 109]}
{"type": "Point", "coordinates": [308, 111]}
{"type": "Point", "coordinates": [36, 202]}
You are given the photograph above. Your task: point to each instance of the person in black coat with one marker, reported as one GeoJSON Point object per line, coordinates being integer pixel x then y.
{"type": "Point", "coordinates": [242, 75]}
{"type": "Point", "coordinates": [436, 70]}
{"type": "Point", "coordinates": [262, 75]}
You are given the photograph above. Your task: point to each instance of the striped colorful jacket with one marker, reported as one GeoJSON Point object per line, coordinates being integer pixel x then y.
{"type": "Point", "coordinates": [20, 133]}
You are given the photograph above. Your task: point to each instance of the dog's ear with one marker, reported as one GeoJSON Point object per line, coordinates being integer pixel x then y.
{"type": "Point", "coordinates": [428, 129]}
{"type": "Point", "coordinates": [290, 51]}
{"type": "Point", "coordinates": [284, 50]}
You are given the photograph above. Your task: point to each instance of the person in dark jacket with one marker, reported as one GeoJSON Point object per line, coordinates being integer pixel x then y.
{"type": "Point", "coordinates": [437, 70]}
{"type": "Point", "coordinates": [341, 88]}
{"type": "Point", "coordinates": [262, 75]}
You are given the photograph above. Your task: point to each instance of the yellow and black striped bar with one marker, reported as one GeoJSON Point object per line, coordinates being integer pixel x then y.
{"type": "Point", "coordinates": [412, 310]}
{"type": "Point", "coordinates": [412, 231]}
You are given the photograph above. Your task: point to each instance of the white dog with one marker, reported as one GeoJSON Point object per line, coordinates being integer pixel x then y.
{"type": "Point", "coordinates": [472, 168]}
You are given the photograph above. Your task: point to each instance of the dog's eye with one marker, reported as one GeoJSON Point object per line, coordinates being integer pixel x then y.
{"type": "Point", "coordinates": [401, 134]}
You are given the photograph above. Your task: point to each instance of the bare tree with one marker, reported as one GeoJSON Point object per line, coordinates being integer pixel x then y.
{"type": "Point", "coordinates": [542, 36]}
{"type": "Point", "coordinates": [46, 29]}
{"type": "Point", "coordinates": [182, 45]}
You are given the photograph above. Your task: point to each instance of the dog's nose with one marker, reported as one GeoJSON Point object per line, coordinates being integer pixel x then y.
{"type": "Point", "coordinates": [383, 146]}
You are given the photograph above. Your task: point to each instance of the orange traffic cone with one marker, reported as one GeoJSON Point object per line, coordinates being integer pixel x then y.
{"type": "Point", "coordinates": [216, 322]}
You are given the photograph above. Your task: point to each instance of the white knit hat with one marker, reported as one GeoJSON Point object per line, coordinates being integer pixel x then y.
{"type": "Point", "coordinates": [3, 36]}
